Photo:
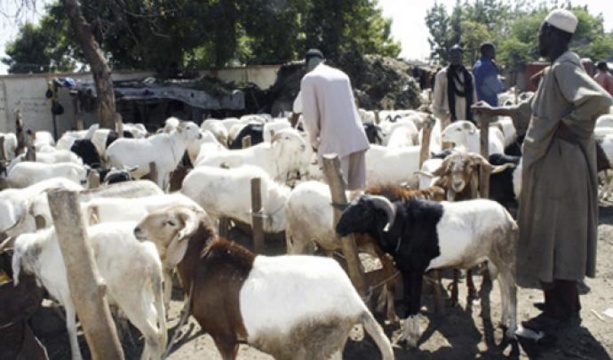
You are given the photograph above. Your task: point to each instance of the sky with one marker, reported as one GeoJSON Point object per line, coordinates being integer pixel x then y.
{"type": "Point", "coordinates": [408, 22]}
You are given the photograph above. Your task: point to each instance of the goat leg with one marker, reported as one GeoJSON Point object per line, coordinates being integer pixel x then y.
{"type": "Point", "coordinates": [454, 287]}
{"type": "Point", "coordinates": [439, 303]}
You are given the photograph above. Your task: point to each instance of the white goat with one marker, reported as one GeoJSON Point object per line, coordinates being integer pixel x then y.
{"type": "Point", "coordinates": [284, 156]}
{"type": "Point", "coordinates": [10, 145]}
{"type": "Point", "coordinates": [465, 134]}
{"type": "Point", "coordinates": [217, 128]}
{"type": "Point", "coordinates": [132, 272]}
{"type": "Point", "coordinates": [392, 165]}
{"type": "Point", "coordinates": [193, 148]}
{"type": "Point", "coordinates": [28, 173]}
{"type": "Point", "coordinates": [227, 193]}
{"type": "Point", "coordinates": [166, 150]}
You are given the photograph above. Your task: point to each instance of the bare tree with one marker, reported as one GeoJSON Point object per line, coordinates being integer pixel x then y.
{"type": "Point", "coordinates": [105, 109]}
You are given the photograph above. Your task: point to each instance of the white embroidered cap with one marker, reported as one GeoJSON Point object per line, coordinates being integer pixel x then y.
{"type": "Point", "coordinates": [563, 20]}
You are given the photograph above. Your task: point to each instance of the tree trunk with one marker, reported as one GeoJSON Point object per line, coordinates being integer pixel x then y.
{"type": "Point", "coordinates": [105, 103]}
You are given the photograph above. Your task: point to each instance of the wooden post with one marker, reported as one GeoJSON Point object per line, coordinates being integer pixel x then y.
{"type": "Point", "coordinates": [153, 172]}
{"type": "Point", "coordinates": [2, 153]}
{"type": "Point", "coordinates": [484, 182]}
{"type": "Point", "coordinates": [21, 136]}
{"type": "Point", "coordinates": [78, 115]}
{"type": "Point", "coordinates": [332, 172]}
{"type": "Point", "coordinates": [257, 221]}
{"type": "Point", "coordinates": [246, 142]}
{"type": "Point", "coordinates": [93, 179]}
{"type": "Point", "coordinates": [224, 225]}
{"type": "Point", "coordinates": [377, 117]}
{"type": "Point", "coordinates": [86, 286]}
{"type": "Point", "coordinates": [118, 119]}
{"type": "Point", "coordinates": [424, 153]}
{"type": "Point", "coordinates": [30, 149]}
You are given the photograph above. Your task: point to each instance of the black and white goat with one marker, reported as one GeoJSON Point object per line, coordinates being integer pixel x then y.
{"type": "Point", "coordinates": [422, 235]}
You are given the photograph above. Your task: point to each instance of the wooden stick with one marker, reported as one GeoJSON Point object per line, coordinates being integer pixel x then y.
{"type": "Point", "coordinates": [246, 142]}
{"type": "Point", "coordinates": [484, 182]}
{"type": "Point", "coordinates": [86, 286]}
{"type": "Point", "coordinates": [332, 172]}
{"type": "Point", "coordinates": [2, 153]}
{"type": "Point", "coordinates": [424, 153]}
{"type": "Point", "coordinates": [256, 215]}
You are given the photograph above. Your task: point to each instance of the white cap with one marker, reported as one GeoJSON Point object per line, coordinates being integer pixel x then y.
{"type": "Point", "coordinates": [563, 20]}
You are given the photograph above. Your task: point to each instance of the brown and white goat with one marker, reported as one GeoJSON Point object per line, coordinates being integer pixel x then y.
{"type": "Point", "coordinates": [459, 176]}
{"type": "Point", "coordinates": [292, 307]}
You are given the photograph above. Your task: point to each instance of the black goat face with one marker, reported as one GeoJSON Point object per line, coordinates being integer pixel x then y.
{"type": "Point", "coordinates": [358, 217]}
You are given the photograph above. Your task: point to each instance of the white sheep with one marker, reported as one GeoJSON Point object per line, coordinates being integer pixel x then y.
{"type": "Point", "coordinates": [292, 307]}
{"type": "Point", "coordinates": [132, 272]}
{"type": "Point", "coordinates": [52, 157]}
{"type": "Point", "coordinates": [43, 140]}
{"type": "Point", "coordinates": [206, 137]}
{"type": "Point", "coordinates": [286, 155]}
{"type": "Point", "coordinates": [272, 127]}
{"type": "Point", "coordinates": [392, 165]}
{"type": "Point", "coordinates": [217, 128]}
{"type": "Point", "coordinates": [27, 173]}
{"type": "Point", "coordinates": [465, 134]}
{"type": "Point", "coordinates": [166, 150]}
{"type": "Point", "coordinates": [15, 204]}
{"type": "Point", "coordinates": [227, 193]}
{"type": "Point", "coordinates": [402, 135]}
{"type": "Point", "coordinates": [10, 145]}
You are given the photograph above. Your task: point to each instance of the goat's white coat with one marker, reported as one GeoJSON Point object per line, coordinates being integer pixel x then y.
{"type": "Point", "coordinates": [131, 269]}
{"type": "Point", "coordinates": [286, 154]}
{"type": "Point", "coordinates": [272, 281]}
{"type": "Point", "coordinates": [465, 134]}
{"type": "Point", "coordinates": [166, 150]}
{"type": "Point", "coordinates": [28, 173]}
{"type": "Point", "coordinates": [227, 193]}
{"type": "Point", "coordinates": [391, 165]}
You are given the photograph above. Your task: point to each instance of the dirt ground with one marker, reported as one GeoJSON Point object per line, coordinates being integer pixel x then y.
{"type": "Point", "coordinates": [468, 331]}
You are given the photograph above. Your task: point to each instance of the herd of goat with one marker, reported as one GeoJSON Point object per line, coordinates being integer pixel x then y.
{"type": "Point", "coordinates": [413, 217]}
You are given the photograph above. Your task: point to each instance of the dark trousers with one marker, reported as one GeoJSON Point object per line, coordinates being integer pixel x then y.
{"type": "Point", "coordinates": [561, 298]}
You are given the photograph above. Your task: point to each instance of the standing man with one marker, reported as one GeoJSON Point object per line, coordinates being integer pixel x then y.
{"type": "Point", "coordinates": [558, 207]}
{"type": "Point", "coordinates": [331, 118]}
{"type": "Point", "coordinates": [603, 77]}
{"type": "Point", "coordinates": [454, 90]}
{"type": "Point", "coordinates": [486, 73]}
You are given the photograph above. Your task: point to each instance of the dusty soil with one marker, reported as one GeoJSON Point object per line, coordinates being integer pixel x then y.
{"type": "Point", "coordinates": [468, 331]}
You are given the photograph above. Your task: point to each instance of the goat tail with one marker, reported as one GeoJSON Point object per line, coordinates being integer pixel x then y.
{"type": "Point", "coordinates": [158, 293]}
{"type": "Point", "coordinates": [375, 331]}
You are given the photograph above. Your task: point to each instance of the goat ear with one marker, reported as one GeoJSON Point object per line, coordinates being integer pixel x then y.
{"type": "Point", "coordinates": [181, 126]}
{"type": "Point", "coordinates": [191, 222]}
{"type": "Point", "coordinates": [176, 251]}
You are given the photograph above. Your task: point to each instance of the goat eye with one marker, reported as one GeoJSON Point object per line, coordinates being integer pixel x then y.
{"type": "Point", "coordinates": [171, 223]}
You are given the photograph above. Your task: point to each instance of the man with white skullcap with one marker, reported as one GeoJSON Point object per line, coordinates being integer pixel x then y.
{"type": "Point", "coordinates": [558, 204]}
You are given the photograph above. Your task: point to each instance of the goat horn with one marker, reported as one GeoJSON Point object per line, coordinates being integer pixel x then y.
{"type": "Point", "coordinates": [6, 242]}
{"type": "Point", "coordinates": [381, 202]}
{"type": "Point", "coordinates": [481, 161]}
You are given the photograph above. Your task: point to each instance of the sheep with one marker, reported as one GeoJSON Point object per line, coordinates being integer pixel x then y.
{"type": "Point", "coordinates": [53, 157]}
{"type": "Point", "coordinates": [506, 185]}
{"type": "Point", "coordinates": [28, 173]}
{"type": "Point", "coordinates": [291, 307]}
{"type": "Point", "coordinates": [170, 125]}
{"type": "Point", "coordinates": [138, 131]}
{"type": "Point", "coordinates": [505, 124]}
{"type": "Point", "coordinates": [15, 204]}
{"type": "Point", "coordinates": [10, 145]}
{"type": "Point", "coordinates": [284, 156]}
{"type": "Point", "coordinates": [254, 130]}
{"type": "Point", "coordinates": [422, 235]}
{"type": "Point", "coordinates": [373, 133]}
{"type": "Point", "coordinates": [217, 128]}
{"type": "Point", "coordinates": [132, 272]}
{"type": "Point", "coordinates": [227, 193]}
{"type": "Point", "coordinates": [270, 128]}
{"type": "Point", "coordinates": [465, 134]}
{"type": "Point", "coordinates": [403, 136]}
{"type": "Point", "coordinates": [206, 137]}
{"type": "Point", "coordinates": [166, 150]}
{"type": "Point", "coordinates": [309, 217]}
{"type": "Point", "coordinates": [43, 140]}
{"type": "Point", "coordinates": [392, 165]}
{"type": "Point", "coordinates": [38, 206]}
